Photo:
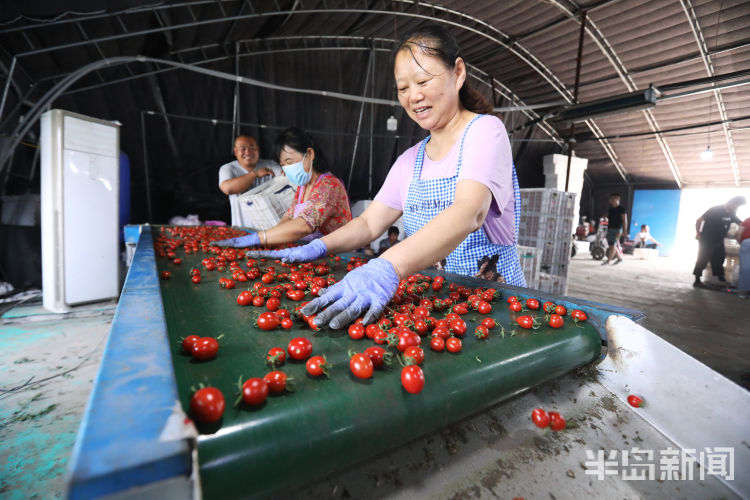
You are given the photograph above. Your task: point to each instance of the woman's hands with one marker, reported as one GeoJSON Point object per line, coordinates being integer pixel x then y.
{"type": "Point", "coordinates": [248, 240]}
{"type": "Point", "coordinates": [367, 288]}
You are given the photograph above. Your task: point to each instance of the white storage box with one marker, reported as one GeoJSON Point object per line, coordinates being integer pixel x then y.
{"type": "Point", "coordinates": [267, 203]}
{"type": "Point", "coordinates": [645, 253]}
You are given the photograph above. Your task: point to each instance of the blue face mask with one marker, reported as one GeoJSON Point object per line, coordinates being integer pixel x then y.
{"type": "Point", "coordinates": [296, 172]}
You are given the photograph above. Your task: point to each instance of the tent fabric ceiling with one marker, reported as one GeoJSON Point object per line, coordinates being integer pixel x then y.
{"type": "Point", "coordinates": [522, 52]}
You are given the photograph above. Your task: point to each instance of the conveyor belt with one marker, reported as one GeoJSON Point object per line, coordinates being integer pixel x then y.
{"type": "Point", "coordinates": [328, 424]}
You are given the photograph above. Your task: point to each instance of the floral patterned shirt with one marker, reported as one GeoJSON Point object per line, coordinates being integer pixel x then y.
{"type": "Point", "coordinates": [327, 209]}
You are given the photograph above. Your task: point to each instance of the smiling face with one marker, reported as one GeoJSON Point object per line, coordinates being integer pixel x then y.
{"type": "Point", "coordinates": [427, 88]}
{"type": "Point", "coordinates": [246, 151]}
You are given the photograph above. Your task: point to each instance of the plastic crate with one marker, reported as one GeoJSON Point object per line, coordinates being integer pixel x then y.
{"type": "Point", "coordinates": [530, 261]}
{"type": "Point", "coordinates": [547, 201]}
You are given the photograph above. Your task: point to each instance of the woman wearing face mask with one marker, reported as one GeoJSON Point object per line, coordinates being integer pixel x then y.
{"type": "Point", "coordinates": [320, 204]}
{"type": "Point", "coordinates": [457, 189]}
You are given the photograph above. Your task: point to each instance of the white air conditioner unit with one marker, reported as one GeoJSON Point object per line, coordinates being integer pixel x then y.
{"type": "Point", "coordinates": [79, 209]}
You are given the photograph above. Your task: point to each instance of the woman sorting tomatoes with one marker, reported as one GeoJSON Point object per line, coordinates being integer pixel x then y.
{"type": "Point", "coordinates": [320, 204]}
{"type": "Point", "coordinates": [457, 190]}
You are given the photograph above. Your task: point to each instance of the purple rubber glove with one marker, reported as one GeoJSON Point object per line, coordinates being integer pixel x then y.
{"type": "Point", "coordinates": [305, 253]}
{"type": "Point", "coordinates": [367, 288]}
{"type": "Point", "coordinates": [249, 240]}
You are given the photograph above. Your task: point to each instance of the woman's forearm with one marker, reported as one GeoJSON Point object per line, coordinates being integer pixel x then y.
{"type": "Point", "coordinates": [362, 230]}
{"type": "Point", "coordinates": [285, 232]}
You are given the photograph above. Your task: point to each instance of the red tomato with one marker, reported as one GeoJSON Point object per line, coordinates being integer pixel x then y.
{"type": "Point", "coordinates": [461, 308]}
{"type": "Point", "coordinates": [272, 304]}
{"type": "Point", "coordinates": [578, 315]}
{"type": "Point", "coordinates": [525, 321]}
{"type": "Point", "coordinates": [516, 306]}
{"type": "Point", "coordinates": [276, 381]}
{"type": "Point", "coordinates": [254, 391]}
{"type": "Point", "coordinates": [188, 343]}
{"type": "Point", "coordinates": [481, 332]}
{"type": "Point", "coordinates": [555, 321]}
{"type": "Point", "coordinates": [412, 378]}
{"type": "Point", "coordinates": [361, 366]}
{"type": "Point", "coordinates": [205, 348]}
{"type": "Point", "coordinates": [532, 304]}
{"type": "Point", "coordinates": [371, 330]}
{"type": "Point", "coordinates": [512, 299]}
{"type": "Point", "coordinates": [441, 332]}
{"type": "Point", "coordinates": [317, 366]}
{"type": "Point", "coordinates": [258, 301]}
{"type": "Point", "coordinates": [299, 348]}
{"type": "Point", "coordinates": [276, 356]}
{"type": "Point", "coordinates": [295, 295]}
{"type": "Point", "coordinates": [540, 418]}
{"type": "Point", "coordinates": [635, 401]}
{"type": "Point", "coordinates": [437, 344]}
{"type": "Point", "coordinates": [267, 321]}
{"type": "Point", "coordinates": [207, 404]}
{"type": "Point", "coordinates": [377, 355]}
{"type": "Point", "coordinates": [196, 278]}
{"type": "Point", "coordinates": [560, 310]}
{"type": "Point", "coordinates": [556, 421]}
{"type": "Point", "coordinates": [484, 307]}
{"type": "Point", "coordinates": [286, 323]}
{"type": "Point", "coordinates": [489, 323]}
{"type": "Point", "coordinates": [245, 298]}
{"type": "Point", "coordinates": [165, 275]}
{"type": "Point", "coordinates": [415, 353]}
{"type": "Point", "coordinates": [267, 278]}
{"type": "Point", "coordinates": [458, 326]}
{"type": "Point", "coordinates": [453, 344]}
{"type": "Point", "coordinates": [356, 331]}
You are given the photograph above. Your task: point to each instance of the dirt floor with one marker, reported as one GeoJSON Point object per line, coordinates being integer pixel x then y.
{"type": "Point", "coordinates": [50, 361]}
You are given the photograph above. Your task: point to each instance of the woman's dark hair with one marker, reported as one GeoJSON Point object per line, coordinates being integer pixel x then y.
{"type": "Point", "coordinates": [436, 41]}
{"type": "Point", "coordinates": [299, 140]}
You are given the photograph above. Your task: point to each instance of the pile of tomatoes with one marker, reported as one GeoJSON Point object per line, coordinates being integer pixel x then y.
{"type": "Point", "coordinates": [416, 318]}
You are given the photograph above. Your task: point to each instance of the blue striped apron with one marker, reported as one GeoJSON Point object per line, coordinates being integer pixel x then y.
{"type": "Point", "coordinates": [428, 197]}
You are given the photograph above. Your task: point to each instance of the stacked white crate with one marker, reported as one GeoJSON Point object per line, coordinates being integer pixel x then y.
{"type": "Point", "coordinates": [530, 261]}
{"type": "Point", "coordinates": [547, 225]}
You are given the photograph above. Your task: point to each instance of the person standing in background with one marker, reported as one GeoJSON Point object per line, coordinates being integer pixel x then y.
{"type": "Point", "coordinates": [743, 236]}
{"type": "Point", "coordinates": [710, 230]}
{"type": "Point", "coordinates": [246, 172]}
{"type": "Point", "coordinates": [617, 225]}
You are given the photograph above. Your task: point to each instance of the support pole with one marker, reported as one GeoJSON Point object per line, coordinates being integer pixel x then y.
{"type": "Point", "coordinates": [145, 166]}
{"type": "Point", "coordinates": [7, 86]}
{"type": "Point", "coordinates": [359, 122]}
{"type": "Point", "coordinates": [236, 113]}
{"type": "Point", "coordinates": [575, 94]}
{"type": "Point", "coordinates": [372, 121]}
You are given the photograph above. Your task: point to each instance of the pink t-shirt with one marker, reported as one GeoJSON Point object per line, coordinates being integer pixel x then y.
{"type": "Point", "coordinates": [487, 159]}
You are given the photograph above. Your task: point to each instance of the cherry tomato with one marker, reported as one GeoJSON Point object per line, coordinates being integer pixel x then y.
{"type": "Point", "coordinates": [205, 348]}
{"type": "Point", "coordinates": [165, 275]}
{"type": "Point", "coordinates": [286, 323]}
{"type": "Point", "coordinates": [481, 332]}
{"type": "Point", "coordinates": [356, 331]}
{"type": "Point", "coordinates": [556, 421]}
{"type": "Point", "coordinates": [458, 326]}
{"type": "Point", "coordinates": [188, 343]}
{"type": "Point", "coordinates": [512, 299]}
{"type": "Point", "coordinates": [532, 304]}
{"type": "Point", "coordinates": [268, 321]}
{"type": "Point", "coordinates": [453, 344]}
{"type": "Point", "coordinates": [245, 298]}
{"type": "Point", "coordinates": [635, 401]}
{"type": "Point", "coordinates": [295, 295]}
{"type": "Point", "coordinates": [276, 356]}
{"type": "Point", "coordinates": [299, 348]}
{"type": "Point", "coordinates": [207, 404]}
{"type": "Point", "coordinates": [516, 306]}
{"type": "Point", "coordinates": [525, 321]}
{"type": "Point", "coordinates": [196, 278]}
{"type": "Point", "coordinates": [489, 323]}
{"type": "Point", "coordinates": [361, 366]}
{"type": "Point", "coordinates": [548, 307]}
{"type": "Point", "coordinates": [437, 344]}
{"type": "Point", "coordinates": [415, 353]}
{"type": "Point", "coordinates": [276, 381]}
{"type": "Point", "coordinates": [377, 355]}
{"type": "Point", "coordinates": [484, 307]}
{"type": "Point", "coordinates": [461, 308]}
{"type": "Point", "coordinates": [317, 366]}
{"type": "Point", "coordinates": [561, 310]}
{"type": "Point", "coordinates": [412, 379]}
{"type": "Point", "coordinates": [272, 304]}
{"type": "Point", "coordinates": [258, 301]}
{"type": "Point", "coordinates": [555, 321]}
{"type": "Point", "coordinates": [578, 315]}
{"type": "Point", "coordinates": [540, 418]}
{"type": "Point", "coordinates": [254, 391]}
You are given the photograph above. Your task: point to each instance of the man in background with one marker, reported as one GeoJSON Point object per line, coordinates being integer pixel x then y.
{"type": "Point", "coordinates": [246, 172]}
{"type": "Point", "coordinates": [710, 230]}
{"type": "Point", "coordinates": [617, 225]}
{"type": "Point", "coordinates": [391, 240]}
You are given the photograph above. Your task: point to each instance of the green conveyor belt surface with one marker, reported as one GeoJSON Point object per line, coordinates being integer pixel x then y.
{"type": "Point", "coordinates": [331, 423]}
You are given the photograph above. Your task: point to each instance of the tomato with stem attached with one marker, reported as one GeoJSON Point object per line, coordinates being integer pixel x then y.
{"type": "Point", "coordinates": [317, 366]}
{"type": "Point", "coordinates": [556, 421]}
{"type": "Point", "coordinates": [578, 315]}
{"type": "Point", "coordinates": [205, 348]}
{"type": "Point", "coordinates": [188, 343]}
{"type": "Point", "coordinates": [532, 304]}
{"type": "Point", "coordinates": [525, 321]}
{"type": "Point", "coordinates": [267, 321]}
{"type": "Point", "coordinates": [414, 353]}
{"type": "Point", "coordinates": [516, 306]}
{"type": "Point", "coordinates": [207, 404]}
{"type": "Point", "coordinates": [254, 391]}
{"type": "Point", "coordinates": [276, 356]}
{"type": "Point", "coordinates": [277, 381]}
{"type": "Point", "coordinates": [635, 401]}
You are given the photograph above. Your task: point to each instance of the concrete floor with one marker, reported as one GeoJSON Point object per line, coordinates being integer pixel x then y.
{"type": "Point", "coordinates": [39, 416]}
